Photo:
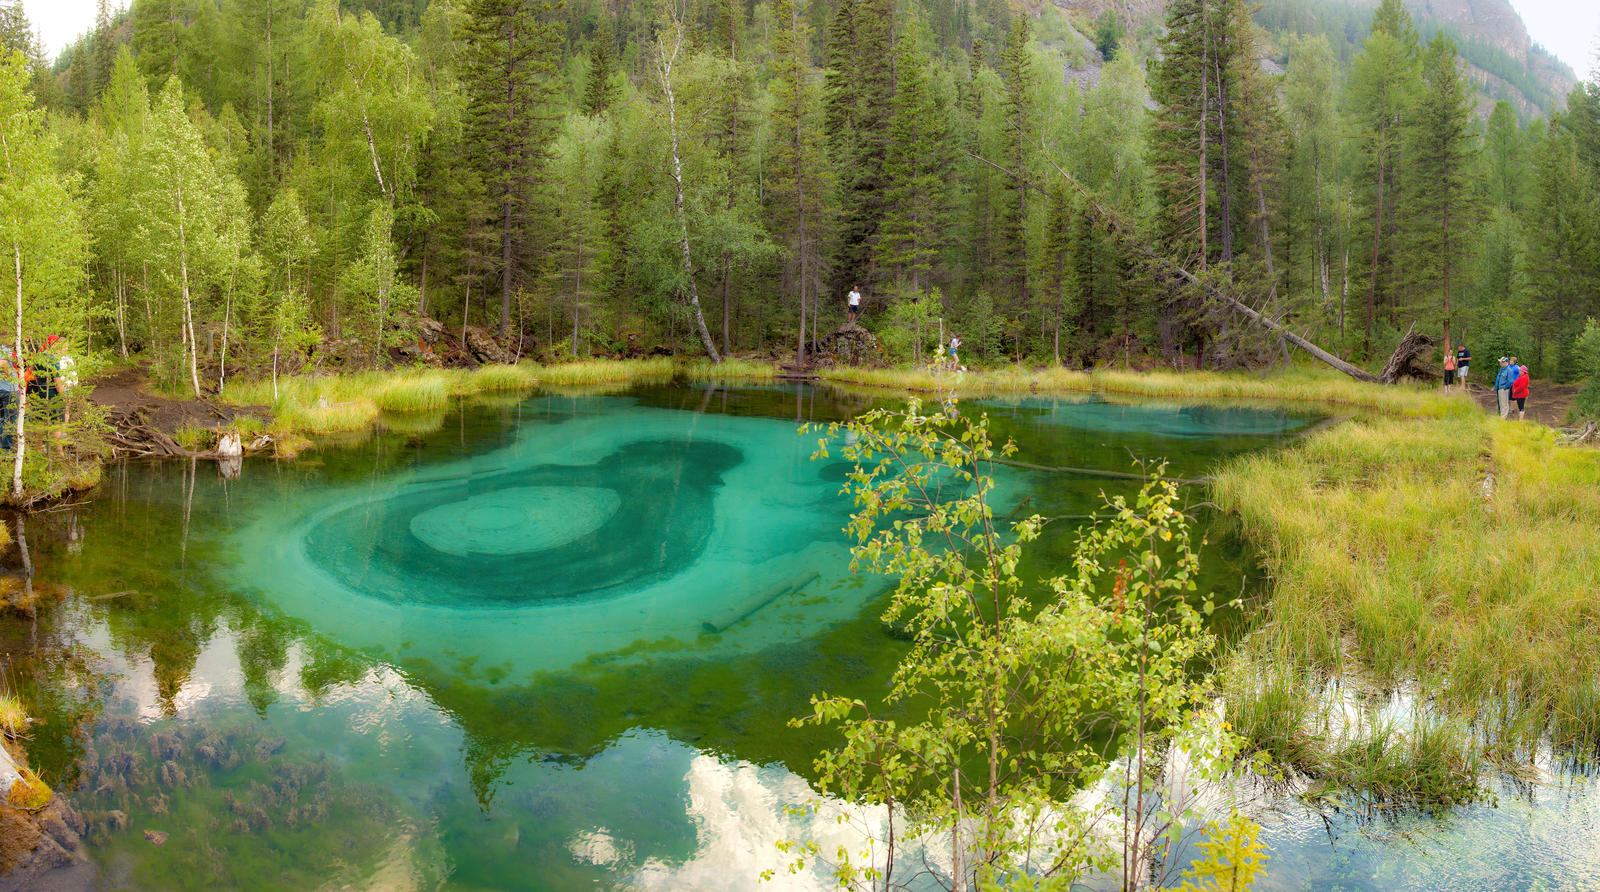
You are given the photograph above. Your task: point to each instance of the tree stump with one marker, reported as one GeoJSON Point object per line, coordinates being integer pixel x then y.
{"type": "Point", "coordinates": [1413, 358]}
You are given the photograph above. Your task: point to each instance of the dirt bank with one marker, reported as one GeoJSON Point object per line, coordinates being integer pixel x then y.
{"type": "Point", "coordinates": [141, 417]}
{"type": "Point", "coordinates": [1547, 402]}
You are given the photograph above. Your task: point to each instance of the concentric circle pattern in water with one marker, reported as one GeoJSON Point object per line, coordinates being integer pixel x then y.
{"type": "Point", "coordinates": [554, 644]}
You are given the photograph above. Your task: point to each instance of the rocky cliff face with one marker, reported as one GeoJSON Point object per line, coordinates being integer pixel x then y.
{"type": "Point", "coordinates": [1532, 80]}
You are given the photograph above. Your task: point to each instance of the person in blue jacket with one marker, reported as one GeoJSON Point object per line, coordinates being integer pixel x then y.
{"type": "Point", "coordinates": [1502, 386]}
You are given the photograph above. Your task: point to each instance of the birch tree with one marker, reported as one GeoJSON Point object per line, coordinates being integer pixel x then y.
{"type": "Point", "coordinates": [192, 203]}
{"type": "Point", "coordinates": [42, 232]}
{"type": "Point", "coordinates": [669, 44]}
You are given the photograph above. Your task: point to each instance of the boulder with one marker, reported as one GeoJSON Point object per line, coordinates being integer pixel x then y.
{"type": "Point", "coordinates": [485, 348]}
{"type": "Point", "coordinates": [849, 344]}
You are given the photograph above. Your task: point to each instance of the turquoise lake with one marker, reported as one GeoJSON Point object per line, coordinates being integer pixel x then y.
{"type": "Point", "coordinates": [553, 643]}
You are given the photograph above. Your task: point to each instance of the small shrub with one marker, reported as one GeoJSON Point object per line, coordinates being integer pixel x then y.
{"type": "Point", "coordinates": [13, 717]}
{"type": "Point", "coordinates": [29, 793]}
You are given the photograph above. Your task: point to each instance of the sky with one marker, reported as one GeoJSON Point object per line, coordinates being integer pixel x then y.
{"type": "Point", "coordinates": [1568, 28]}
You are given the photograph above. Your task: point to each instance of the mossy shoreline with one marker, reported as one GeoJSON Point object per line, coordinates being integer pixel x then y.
{"type": "Point", "coordinates": [1452, 560]}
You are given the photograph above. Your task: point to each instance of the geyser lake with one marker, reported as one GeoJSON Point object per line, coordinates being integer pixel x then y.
{"type": "Point", "coordinates": [553, 643]}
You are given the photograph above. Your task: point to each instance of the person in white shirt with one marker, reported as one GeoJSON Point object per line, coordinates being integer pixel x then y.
{"type": "Point", "coordinates": [955, 344]}
{"type": "Point", "coordinates": [855, 302]}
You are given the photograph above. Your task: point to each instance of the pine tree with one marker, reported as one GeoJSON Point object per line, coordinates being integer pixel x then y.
{"type": "Point", "coordinates": [598, 89]}
{"type": "Point", "coordinates": [859, 107]}
{"type": "Point", "coordinates": [1505, 163]}
{"type": "Point", "coordinates": [1562, 264]}
{"type": "Point", "coordinates": [1442, 200]}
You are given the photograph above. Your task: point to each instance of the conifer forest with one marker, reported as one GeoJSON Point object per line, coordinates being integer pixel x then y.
{"type": "Point", "coordinates": [220, 183]}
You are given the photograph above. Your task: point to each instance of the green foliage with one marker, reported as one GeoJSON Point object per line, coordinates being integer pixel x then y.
{"type": "Point", "coordinates": [1108, 34]}
{"type": "Point", "coordinates": [1586, 350]}
{"type": "Point", "coordinates": [1024, 689]}
{"type": "Point", "coordinates": [1232, 858]}
{"type": "Point", "coordinates": [1586, 402]}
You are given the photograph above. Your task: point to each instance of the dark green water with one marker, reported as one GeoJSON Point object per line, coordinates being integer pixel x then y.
{"type": "Point", "coordinates": [540, 644]}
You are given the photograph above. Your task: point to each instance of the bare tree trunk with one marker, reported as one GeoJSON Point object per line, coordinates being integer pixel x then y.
{"type": "Point", "coordinates": [188, 303]}
{"type": "Point", "coordinates": [1377, 235]}
{"type": "Point", "coordinates": [227, 310]}
{"type": "Point", "coordinates": [664, 63]}
{"type": "Point", "coordinates": [22, 389]}
{"type": "Point", "coordinates": [577, 296]}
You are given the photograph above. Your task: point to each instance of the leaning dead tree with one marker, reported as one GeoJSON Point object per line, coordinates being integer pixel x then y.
{"type": "Point", "coordinates": [1125, 233]}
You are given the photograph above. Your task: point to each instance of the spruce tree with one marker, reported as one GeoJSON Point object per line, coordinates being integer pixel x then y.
{"type": "Point", "coordinates": [511, 81]}
{"type": "Point", "coordinates": [917, 166]}
{"type": "Point", "coordinates": [1385, 79]}
{"type": "Point", "coordinates": [1442, 202]}
{"type": "Point", "coordinates": [1011, 235]}
{"type": "Point", "coordinates": [799, 177]}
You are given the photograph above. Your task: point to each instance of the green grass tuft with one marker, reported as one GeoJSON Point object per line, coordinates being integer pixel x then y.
{"type": "Point", "coordinates": [426, 392]}
{"type": "Point", "coordinates": [505, 378]}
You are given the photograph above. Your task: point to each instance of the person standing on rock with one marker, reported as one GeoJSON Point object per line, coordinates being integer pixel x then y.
{"type": "Point", "coordinates": [1463, 356]}
{"type": "Point", "coordinates": [1502, 386]}
{"type": "Point", "coordinates": [853, 303]}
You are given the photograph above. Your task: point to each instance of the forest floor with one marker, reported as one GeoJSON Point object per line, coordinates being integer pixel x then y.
{"type": "Point", "coordinates": [128, 401]}
{"type": "Point", "coordinates": [1547, 402]}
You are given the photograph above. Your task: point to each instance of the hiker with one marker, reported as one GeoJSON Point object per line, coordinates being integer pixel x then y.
{"type": "Point", "coordinates": [854, 302]}
{"type": "Point", "coordinates": [66, 375]}
{"type": "Point", "coordinates": [1519, 388]}
{"type": "Point", "coordinates": [955, 344]}
{"type": "Point", "coordinates": [8, 398]}
{"type": "Point", "coordinates": [41, 377]}
{"type": "Point", "coordinates": [1502, 386]}
{"type": "Point", "coordinates": [1449, 367]}
{"type": "Point", "coordinates": [1463, 357]}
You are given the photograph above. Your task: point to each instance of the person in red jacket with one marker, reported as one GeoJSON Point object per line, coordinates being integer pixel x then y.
{"type": "Point", "coordinates": [1519, 388]}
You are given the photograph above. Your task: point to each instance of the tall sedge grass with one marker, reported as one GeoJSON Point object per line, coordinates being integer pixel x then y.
{"type": "Point", "coordinates": [328, 404]}
{"type": "Point", "coordinates": [505, 378]}
{"type": "Point", "coordinates": [1459, 552]}
{"type": "Point", "coordinates": [1300, 385]}
{"type": "Point", "coordinates": [425, 392]}
{"type": "Point", "coordinates": [730, 370]}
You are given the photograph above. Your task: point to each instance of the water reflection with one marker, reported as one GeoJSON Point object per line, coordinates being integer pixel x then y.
{"type": "Point", "coordinates": [202, 679]}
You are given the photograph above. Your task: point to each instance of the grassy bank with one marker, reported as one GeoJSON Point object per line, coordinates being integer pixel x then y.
{"type": "Point", "coordinates": [333, 404]}
{"type": "Point", "coordinates": [1457, 556]}
{"type": "Point", "coordinates": [1322, 387]}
